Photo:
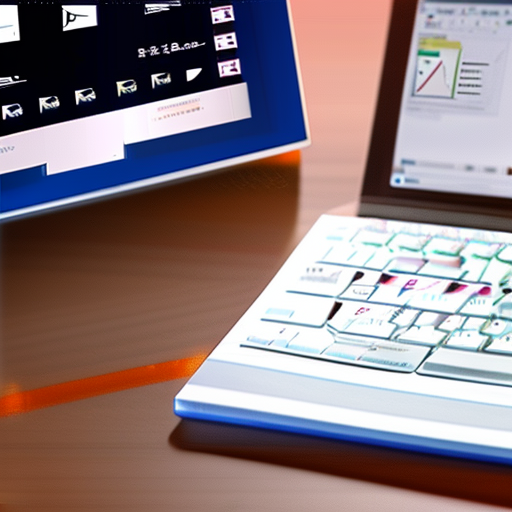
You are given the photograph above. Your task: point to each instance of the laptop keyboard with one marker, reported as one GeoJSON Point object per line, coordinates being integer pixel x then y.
{"type": "Point", "coordinates": [399, 297]}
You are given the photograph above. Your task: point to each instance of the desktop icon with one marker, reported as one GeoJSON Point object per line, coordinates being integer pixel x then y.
{"type": "Point", "coordinates": [192, 73]}
{"type": "Point", "coordinates": [225, 41]}
{"type": "Point", "coordinates": [126, 87]}
{"type": "Point", "coordinates": [160, 79]}
{"type": "Point", "coordinates": [229, 68]}
{"type": "Point", "coordinates": [85, 96]}
{"type": "Point", "coordinates": [223, 14]}
{"type": "Point", "coordinates": [48, 103]}
{"type": "Point", "coordinates": [78, 16]}
{"type": "Point", "coordinates": [11, 111]}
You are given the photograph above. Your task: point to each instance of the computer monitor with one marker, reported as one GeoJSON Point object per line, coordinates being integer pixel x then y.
{"type": "Point", "coordinates": [103, 97]}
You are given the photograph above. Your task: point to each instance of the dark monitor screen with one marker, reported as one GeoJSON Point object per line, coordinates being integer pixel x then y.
{"type": "Point", "coordinates": [103, 97]}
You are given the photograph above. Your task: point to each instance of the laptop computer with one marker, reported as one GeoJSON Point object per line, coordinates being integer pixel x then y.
{"type": "Point", "coordinates": [395, 327]}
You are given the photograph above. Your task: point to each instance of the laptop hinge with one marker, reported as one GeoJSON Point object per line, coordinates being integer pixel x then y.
{"type": "Point", "coordinates": [435, 215]}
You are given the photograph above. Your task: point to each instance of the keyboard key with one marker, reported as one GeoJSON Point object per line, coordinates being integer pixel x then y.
{"type": "Point", "coordinates": [496, 272]}
{"type": "Point", "coordinates": [452, 323]}
{"type": "Point", "coordinates": [424, 331]}
{"type": "Point", "coordinates": [381, 259]}
{"type": "Point", "coordinates": [466, 339]}
{"type": "Point", "coordinates": [427, 318]}
{"type": "Point", "coordinates": [404, 317]}
{"type": "Point", "coordinates": [342, 233]}
{"type": "Point", "coordinates": [370, 237]}
{"type": "Point", "coordinates": [267, 334]}
{"type": "Point", "coordinates": [447, 246]}
{"type": "Point", "coordinates": [395, 356]}
{"type": "Point", "coordinates": [311, 341]}
{"type": "Point", "coordinates": [423, 335]}
{"type": "Point", "coordinates": [473, 268]}
{"type": "Point", "coordinates": [408, 242]}
{"type": "Point", "coordinates": [299, 310]}
{"type": "Point", "coordinates": [503, 307]}
{"type": "Point", "coordinates": [352, 339]}
{"type": "Point", "coordinates": [473, 323]}
{"type": "Point", "coordinates": [345, 351]}
{"type": "Point", "coordinates": [466, 365]}
{"type": "Point", "coordinates": [502, 345]}
{"type": "Point", "coordinates": [439, 270]}
{"type": "Point", "coordinates": [361, 256]}
{"type": "Point", "coordinates": [479, 305]}
{"type": "Point", "coordinates": [327, 280]}
{"type": "Point", "coordinates": [358, 292]}
{"type": "Point", "coordinates": [339, 254]}
{"type": "Point", "coordinates": [497, 327]}
{"type": "Point", "coordinates": [505, 254]}
{"type": "Point", "coordinates": [368, 326]}
{"type": "Point", "coordinates": [350, 311]}
{"type": "Point", "coordinates": [399, 357]}
{"type": "Point", "coordinates": [480, 250]}
{"type": "Point", "coordinates": [426, 335]}
{"type": "Point", "coordinates": [404, 264]}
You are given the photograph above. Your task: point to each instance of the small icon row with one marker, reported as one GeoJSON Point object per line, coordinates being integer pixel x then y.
{"type": "Point", "coordinates": [85, 16]}
{"type": "Point", "coordinates": [124, 88]}
{"type": "Point", "coordinates": [226, 41]}
{"type": "Point", "coordinates": [82, 96]}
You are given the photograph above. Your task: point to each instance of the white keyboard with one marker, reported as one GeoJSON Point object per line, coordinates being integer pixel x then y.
{"type": "Point", "coordinates": [397, 296]}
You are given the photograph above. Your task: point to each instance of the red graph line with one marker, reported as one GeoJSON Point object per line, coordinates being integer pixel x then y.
{"type": "Point", "coordinates": [429, 76]}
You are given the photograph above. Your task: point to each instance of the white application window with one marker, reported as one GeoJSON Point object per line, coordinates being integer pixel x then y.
{"type": "Point", "coordinates": [455, 127]}
{"type": "Point", "coordinates": [9, 24]}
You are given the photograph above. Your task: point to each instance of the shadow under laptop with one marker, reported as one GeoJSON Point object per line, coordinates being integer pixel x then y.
{"type": "Point", "coordinates": [450, 477]}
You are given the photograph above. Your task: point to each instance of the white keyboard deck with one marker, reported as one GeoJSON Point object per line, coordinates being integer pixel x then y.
{"type": "Point", "coordinates": [399, 297]}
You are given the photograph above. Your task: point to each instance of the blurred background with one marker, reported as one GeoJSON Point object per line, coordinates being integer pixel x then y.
{"type": "Point", "coordinates": [341, 48]}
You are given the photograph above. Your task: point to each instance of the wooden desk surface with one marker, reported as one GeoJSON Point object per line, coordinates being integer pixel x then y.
{"type": "Point", "coordinates": [159, 276]}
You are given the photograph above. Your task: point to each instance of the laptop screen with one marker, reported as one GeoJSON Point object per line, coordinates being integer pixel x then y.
{"type": "Point", "coordinates": [454, 132]}
{"type": "Point", "coordinates": [441, 137]}
{"type": "Point", "coordinates": [103, 97]}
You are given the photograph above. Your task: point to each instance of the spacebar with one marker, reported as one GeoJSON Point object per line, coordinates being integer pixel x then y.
{"type": "Point", "coordinates": [472, 366]}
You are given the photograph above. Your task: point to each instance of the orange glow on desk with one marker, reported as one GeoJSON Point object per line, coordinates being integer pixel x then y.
{"type": "Point", "coordinates": [290, 158]}
{"type": "Point", "coordinates": [19, 402]}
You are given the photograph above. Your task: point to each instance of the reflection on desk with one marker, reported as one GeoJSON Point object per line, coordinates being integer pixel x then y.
{"type": "Point", "coordinates": [468, 480]}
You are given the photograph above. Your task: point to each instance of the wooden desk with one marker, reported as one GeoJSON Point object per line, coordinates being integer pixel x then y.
{"type": "Point", "coordinates": [160, 276]}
